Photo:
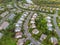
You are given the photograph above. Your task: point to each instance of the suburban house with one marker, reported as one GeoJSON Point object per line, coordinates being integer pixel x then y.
{"type": "Point", "coordinates": [4, 25]}
{"type": "Point", "coordinates": [54, 40]}
{"type": "Point", "coordinates": [35, 31]}
{"type": "Point", "coordinates": [21, 41]}
{"type": "Point", "coordinates": [43, 36]}
{"type": "Point", "coordinates": [18, 35]}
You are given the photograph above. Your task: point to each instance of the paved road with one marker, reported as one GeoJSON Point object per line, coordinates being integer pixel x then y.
{"type": "Point", "coordinates": [27, 33]}
{"type": "Point", "coordinates": [55, 23]}
{"type": "Point", "coordinates": [15, 5]}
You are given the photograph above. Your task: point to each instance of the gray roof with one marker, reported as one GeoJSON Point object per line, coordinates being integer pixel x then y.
{"type": "Point", "coordinates": [11, 16]}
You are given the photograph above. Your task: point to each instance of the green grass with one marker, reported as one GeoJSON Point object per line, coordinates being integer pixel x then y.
{"type": "Point", "coordinates": [49, 3]}
{"type": "Point", "coordinates": [58, 21]}
{"type": "Point", "coordinates": [9, 34]}
{"type": "Point", "coordinates": [8, 37]}
{"type": "Point", "coordinates": [27, 42]}
{"type": "Point", "coordinates": [8, 40]}
{"type": "Point", "coordinates": [41, 25]}
{"type": "Point", "coordinates": [58, 12]}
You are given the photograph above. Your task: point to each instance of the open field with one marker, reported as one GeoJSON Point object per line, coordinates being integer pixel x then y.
{"type": "Point", "coordinates": [53, 3]}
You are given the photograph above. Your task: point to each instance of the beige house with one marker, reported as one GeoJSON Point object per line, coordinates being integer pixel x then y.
{"type": "Point", "coordinates": [18, 35]}
{"type": "Point", "coordinates": [4, 25]}
{"type": "Point", "coordinates": [43, 36]}
{"type": "Point", "coordinates": [21, 41]}
{"type": "Point", "coordinates": [33, 26]}
{"type": "Point", "coordinates": [4, 14]}
{"type": "Point", "coordinates": [35, 31]}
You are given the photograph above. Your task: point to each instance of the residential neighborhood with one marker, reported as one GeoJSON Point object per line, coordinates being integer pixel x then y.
{"type": "Point", "coordinates": [30, 22]}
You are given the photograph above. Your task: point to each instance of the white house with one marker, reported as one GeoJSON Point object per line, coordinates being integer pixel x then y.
{"type": "Point", "coordinates": [34, 16]}
{"type": "Point", "coordinates": [32, 19]}
{"type": "Point", "coordinates": [32, 22]}
{"type": "Point", "coordinates": [50, 28]}
{"type": "Point", "coordinates": [22, 16]}
{"type": "Point", "coordinates": [43, 36]}
{"type": "Point", "coordinates": [49, 25]}
{"type": "Point", "coordinates": [48, 17]}
{"type": "Point", "coordinates": [18, 29]}
{"type": "Point", "coordinates": [48, 21]}
{"type": "Point", "coordinates": [25, 15]}
{"type": "Point", "coordinates": [21, 41]}
{"type": "Point", "coordinates": [22, 19]}
{"type": "Point", "coordinates": [35, 31]}
{"type": "Point", "coordinates": [29, 1]}
{"type": "Point", "coordinates": [33, 26]}
{"type": "Point", "coordinates": [54, 40]}
{"type": "Point", "coordinates": [20, 22]}
{"type": "Point", "coordinates": [17, 25]}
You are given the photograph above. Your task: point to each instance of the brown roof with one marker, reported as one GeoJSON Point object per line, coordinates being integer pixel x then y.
{"type": "Point", "coordinates": [18, 35]}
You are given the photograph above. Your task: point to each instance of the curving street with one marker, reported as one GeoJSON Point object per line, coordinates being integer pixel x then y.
{"type": "Point", "coordinates": [55, 23]}
{"type": "Point", "coordinates": [26, 30]}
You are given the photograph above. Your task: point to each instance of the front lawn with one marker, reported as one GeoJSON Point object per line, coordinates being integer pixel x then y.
{"type": "Point", "coordinates": [27, 42]}
{"type": "Point", "coordinates": [58, 21]}
{"type": "Point", "coordinates": [58, 12]}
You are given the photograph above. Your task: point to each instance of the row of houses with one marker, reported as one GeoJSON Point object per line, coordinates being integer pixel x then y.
{"type": "Point", "coordinates": [4, 14]}
{"type": "Point", "coordinates": [53, 40]}
{"type": "Point", "coordinates": [18, 29]}
{"type": "Point", "coordinates": [33, 21]}
{"type": "Point", "coordinates": [34, 31]}
{"type": "Point", "coordinates": [49, 25]}
{"type": "Point", "coordinates": [4, 24]}
{"type": "Point", "coordinates": [35, 7]}
{"type": "Point", "coordinates": [19, 25]}
{"type": "Point", "coordinates": [30, 2]}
